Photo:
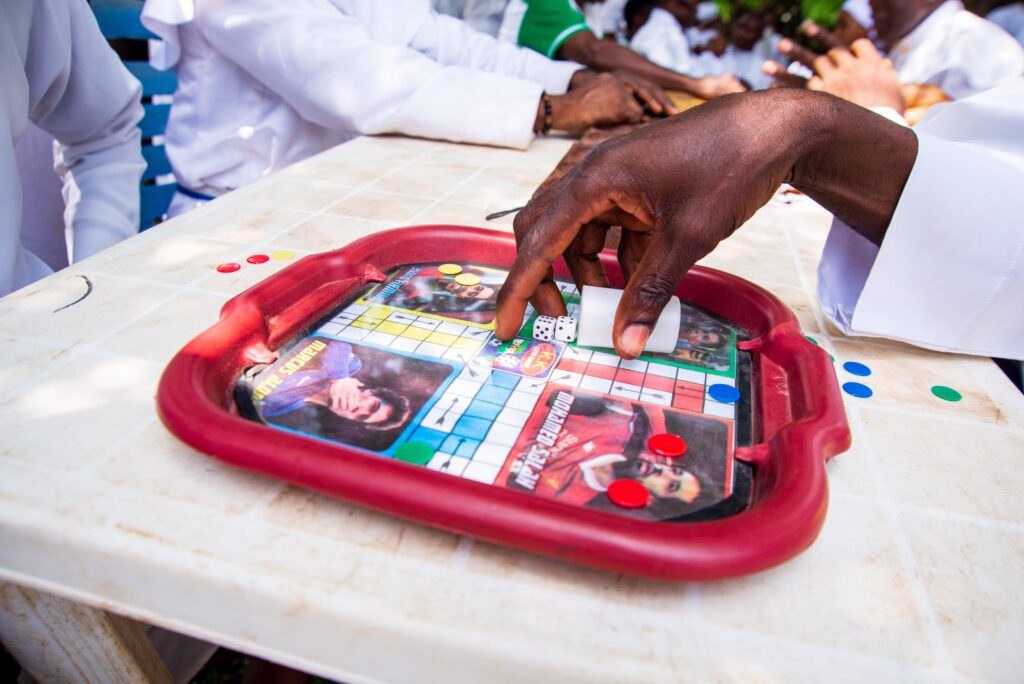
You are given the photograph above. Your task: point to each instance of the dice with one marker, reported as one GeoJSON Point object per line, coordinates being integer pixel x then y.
{"type": "Point", "coordinates": [544, 328]}
{"type": "Point", "coordinates": [565, 329]}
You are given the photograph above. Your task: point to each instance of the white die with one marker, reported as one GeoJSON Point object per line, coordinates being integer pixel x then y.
{"type": "Point", "coordinates": [565, 329]}
{"type": "Point", "coordinates": [544, 328]}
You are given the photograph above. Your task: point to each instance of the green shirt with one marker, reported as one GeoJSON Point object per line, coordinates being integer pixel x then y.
{"type": "Point", "coordinates": [547, 24]}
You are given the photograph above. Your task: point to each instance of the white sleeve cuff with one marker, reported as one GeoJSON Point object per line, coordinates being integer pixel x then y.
{"type": "Point", "coordinates": [949, 274]}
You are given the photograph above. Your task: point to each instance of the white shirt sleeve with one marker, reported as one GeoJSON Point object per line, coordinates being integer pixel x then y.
{"type": "Point", "coordinates": [326, 66]}
{"type": "Point", "coordinates": [451, 42]}
{"type": "Point", "coordinates": [68, 81]}
{"type": "Point", "coordinates": [949, 274]}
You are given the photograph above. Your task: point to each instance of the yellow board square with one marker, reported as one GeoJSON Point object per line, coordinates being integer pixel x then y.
{"type": "Point", "coordinates": [442, 338]}
{"type": "Point", "coordinates": [392, 328]}
{"type": "Point", "coordinates": [468, 344]}
{"type": "Point", "coordinates": [363, 323]}
{"type": "Point", "coordinates": [414, 333]}
{"type": "Point", "coordinates": [377, 312]}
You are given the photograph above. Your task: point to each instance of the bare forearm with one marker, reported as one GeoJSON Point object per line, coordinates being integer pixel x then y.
{"type": "Point", "coordinates": [604, 55]}
{"type": "Point", "coordinates": [858, 166]}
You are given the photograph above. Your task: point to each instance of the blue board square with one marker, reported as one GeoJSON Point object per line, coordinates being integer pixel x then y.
{"type": "Point", "coordinates": [493, 394]}
{"type": "Point", "coordinates": [459, 446]}
{"type": "Point", "coordinates": [474, 428]}
{"type": "Point", "coordinates": [483, 409]}
{"type": "Point", "coordinates": [427, 436]}
{"type": "Point", "coordinates": [504, 380]}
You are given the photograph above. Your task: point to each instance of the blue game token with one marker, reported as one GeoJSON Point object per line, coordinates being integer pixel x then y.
{"type": "Point", "coordinates": [855, 389]}
{"type": "Point", "coordinates": [854, 368]}
{"type": "Point", "coordinates": [727, 394]}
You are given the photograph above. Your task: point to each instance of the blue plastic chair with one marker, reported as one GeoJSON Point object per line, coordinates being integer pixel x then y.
{"type": "Point", "coordinates": [121, 20]}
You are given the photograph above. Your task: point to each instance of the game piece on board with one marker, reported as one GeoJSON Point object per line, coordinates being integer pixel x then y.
{"type": "Point", "coordinates": [467, 279]}
{"type": "Point", "coordinates": [282, 255]}
{"type": "Point", "coordinates": [449, 269]}
{"type": "Point", "coordinates": [418, 453]}
{"type": "Point", "coordinates": [230, 267]}
{"type": "Point", "coordinates": [597, 314]}
{"type": "Point", "coordinates": [258, 259]}
{"type": "Point", "coordinates": [544, 328]}
{"type": "Point", "coordinates": [856, 389]}
{"type": "Point", "coordinates": [726, 394]}
{"type": "Point", "coordinates": [855, 368]}
{"type": "Point", "coordinates": [565, 329]}
{"type": "Point", "coordinates": [667, 444]}
{"type": "Point", "coordinates": [946, 393]}
{"type": "Point", "coordinates": [628, 494]}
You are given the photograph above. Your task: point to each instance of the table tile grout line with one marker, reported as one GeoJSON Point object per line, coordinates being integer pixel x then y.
{"type": "Point", "coordinates": [931, 512]}
{"type": "Point", "coordinates": [319, 212]}
{"type": "Point", "coordinates": [919, 592]}
{"type": "Point", "coordinates": [906, 553]}
{"type": "Point", "coordinates": [178, 289]}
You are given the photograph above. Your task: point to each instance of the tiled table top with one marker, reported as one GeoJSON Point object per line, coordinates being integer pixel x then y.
{"type": "Point", "coordinates": [916, 576]}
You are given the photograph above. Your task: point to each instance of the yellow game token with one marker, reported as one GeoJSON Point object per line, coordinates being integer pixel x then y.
{"type": "Point", "coordinates": [467, 279]}
{"type": "Point", "coordinates": [449, 269]}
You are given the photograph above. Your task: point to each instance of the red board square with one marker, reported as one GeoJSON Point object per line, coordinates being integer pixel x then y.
{"type": "Point", "coordinates": [688, 403]}
{"type": "Point", "coordinates": [599, 371]}
{"type": "Point", "coordinates": [573, 365]}
{"type": "Point", "coordinates": [657, 382]}
{"type": "Point", "coordinates": [630, 377]}
{"type": "Point", "coordinates": [689, 388]}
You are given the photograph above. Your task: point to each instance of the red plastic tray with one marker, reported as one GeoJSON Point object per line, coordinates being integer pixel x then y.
{"type": "Point", "coordinates": [798, 421]}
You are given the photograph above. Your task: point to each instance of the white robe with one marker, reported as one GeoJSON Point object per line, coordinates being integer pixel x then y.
{"type": "Point", "coordinates": [266, 83]}
{"type": "Point", "coordinates": [949, 274]}
{"type": "Point", "coordinates": [59, 73]}
{"type": "Point", "coordinates": [958, 51]}
{"type": "Point", "coordinates": [1010, 18]}
{"type": "Point", "coordinates": [662, 40]}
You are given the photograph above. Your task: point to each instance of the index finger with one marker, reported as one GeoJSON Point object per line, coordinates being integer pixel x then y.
{"type": "Point", "coordinates": [569, 204]}
{"type": "Point", "coordinates": [821, 34]}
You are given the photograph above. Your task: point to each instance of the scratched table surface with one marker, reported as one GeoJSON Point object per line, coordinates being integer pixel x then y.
{"type": "Point", "coordinates": [917, 575]}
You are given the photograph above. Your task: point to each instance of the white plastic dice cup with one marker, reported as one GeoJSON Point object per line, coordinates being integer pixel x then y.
{"type": "Point", "coordinates": [597, 316]}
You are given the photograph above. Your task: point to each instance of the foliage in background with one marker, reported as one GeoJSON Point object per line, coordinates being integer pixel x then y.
{"type": "Point", "coordinates": [790, 13]}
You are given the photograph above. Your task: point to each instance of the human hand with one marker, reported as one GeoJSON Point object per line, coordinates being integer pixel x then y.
{"type": "Point", "coordinates": [344, 395]}
{"type": "Point", "coordinates": [857, 73]}
{"type": "Point", "coordinates": [673, 188]}
{"type": "Point", "coordinates": [680, 186]}
{"type": "Point", "coordinates": [603, 100]}
{"type": "Point", "coordinates": [710, 87]}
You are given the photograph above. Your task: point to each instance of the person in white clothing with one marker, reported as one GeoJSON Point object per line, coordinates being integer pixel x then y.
{"type": "Point", "coordinates": [482, 15]}
{"type": "Point", "coordinates": [263, 84]}
{"type": "Point", "coordinates": [926, 246]}
{"type": "Point", "coordinates": [941, 43]}
{"type": "Point", "coordinates": [1009, 15]}
{"type": "Point", "coordinates": [59, 74]}
{"type": "Point", "coordinates": [659, 34]}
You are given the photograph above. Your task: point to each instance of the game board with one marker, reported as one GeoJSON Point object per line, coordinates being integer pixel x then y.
{"type": "Point", "coordinates": [384, 384]}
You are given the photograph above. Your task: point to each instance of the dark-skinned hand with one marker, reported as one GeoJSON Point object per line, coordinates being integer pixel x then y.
{"type": "Point", "coordinates": [680, 186]}
{"type": "Point", "coordinates": [858, 73]}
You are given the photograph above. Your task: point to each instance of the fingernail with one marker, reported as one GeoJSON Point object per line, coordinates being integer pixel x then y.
{"type": "Point", "coordinates": [633, 339]}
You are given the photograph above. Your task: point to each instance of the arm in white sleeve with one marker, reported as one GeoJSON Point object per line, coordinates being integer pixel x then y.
{"type": "Point", "coordinates": [949, 274]}
{"type": "Point", "coordinates": [451, 42]}
{"type": "Point", "coordinates": [92, 110]}
{"type": "Point", "coordinates": [326, 66]}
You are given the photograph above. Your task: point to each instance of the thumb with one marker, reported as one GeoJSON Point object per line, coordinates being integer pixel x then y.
{"type": "Point", "coordinates": [653, 283]}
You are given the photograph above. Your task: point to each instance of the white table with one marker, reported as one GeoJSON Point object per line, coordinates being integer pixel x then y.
{"type": "Point", "coordinates": [917, 574]}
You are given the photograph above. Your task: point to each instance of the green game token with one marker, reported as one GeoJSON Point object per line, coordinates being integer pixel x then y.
{"type": "Point", "coordinates": [419, 453]}
{"type": "Point", "coordinates": [946, 393]}
{"type": "Point", "coordinates": [811, 339]}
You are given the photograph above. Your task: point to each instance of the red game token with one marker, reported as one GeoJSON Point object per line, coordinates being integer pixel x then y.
{"type": "Point", "coordinates": [628, 494]}
{"type": "Point", "coordinates": [230, 267]}
{"type": "Point", "coordinates": [665, 444]}
{"type": "Point", "coordinates": [258, 259]}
